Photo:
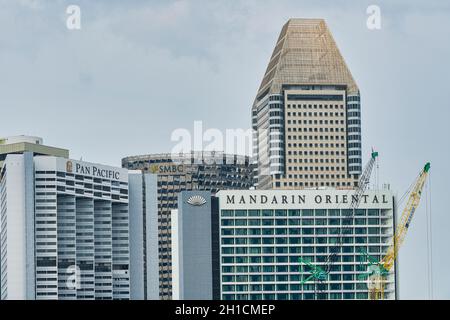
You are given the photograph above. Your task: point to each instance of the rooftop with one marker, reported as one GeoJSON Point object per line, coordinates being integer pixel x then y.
{"type": "Point", "coordinates": [305, 54]}
{"type": "Point", "coordinates": [21, 144]}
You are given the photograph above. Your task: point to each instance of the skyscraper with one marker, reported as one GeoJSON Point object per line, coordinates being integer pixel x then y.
{"type": "Point", "coordinates": [306, 116]}
{"type": "Point", "coordinates": [64, 231]}
{"type": "Point", "coordinates": [207, 171]}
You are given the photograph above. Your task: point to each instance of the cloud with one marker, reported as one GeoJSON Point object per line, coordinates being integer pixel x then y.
{"type": "Point", "coordinates": [137, 70]}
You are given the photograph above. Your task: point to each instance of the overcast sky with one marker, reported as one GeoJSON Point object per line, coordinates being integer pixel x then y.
{"type": "Point", "coordinates": [138, 70]}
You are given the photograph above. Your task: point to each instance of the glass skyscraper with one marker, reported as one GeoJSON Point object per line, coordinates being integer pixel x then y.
{"type": "Point", "coordinates": [208, 171]}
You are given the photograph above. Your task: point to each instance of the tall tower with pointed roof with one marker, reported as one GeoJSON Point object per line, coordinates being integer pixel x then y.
{"type": "Point", "coordinates": [306, 115]}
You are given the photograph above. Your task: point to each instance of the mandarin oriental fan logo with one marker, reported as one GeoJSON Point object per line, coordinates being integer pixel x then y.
{"type": "Point", "coordinates": [196, 201]}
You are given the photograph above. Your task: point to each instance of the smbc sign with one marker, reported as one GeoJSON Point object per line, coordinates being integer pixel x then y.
{"type": "Point", "coordinates": [167, 169]}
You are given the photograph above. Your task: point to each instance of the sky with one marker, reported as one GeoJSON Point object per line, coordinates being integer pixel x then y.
{"type": "Point", "coordinates": [138, 70]}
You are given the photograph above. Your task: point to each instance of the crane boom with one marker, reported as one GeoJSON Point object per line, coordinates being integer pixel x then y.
{"type": "Point", "coordinates": [380, 270]}
{"type": "Point", "coordinates": [364, 180]}
{"type": "Point", "coordinates": [318, 273]}
{"type": "Point", "coordinates": [363, 184]}
{"type": "Point", "coordinates": [405, 220]}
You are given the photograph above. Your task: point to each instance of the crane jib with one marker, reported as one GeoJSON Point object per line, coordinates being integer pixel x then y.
{"type": "Point", "coordinates": [388, 260]}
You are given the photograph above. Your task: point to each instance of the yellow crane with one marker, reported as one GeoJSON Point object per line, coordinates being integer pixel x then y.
{"type": "Point", "coordinates": [377, 278]}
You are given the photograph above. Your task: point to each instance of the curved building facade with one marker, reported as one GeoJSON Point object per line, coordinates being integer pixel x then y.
{"type": "Point", "coordinates": [209, 171]}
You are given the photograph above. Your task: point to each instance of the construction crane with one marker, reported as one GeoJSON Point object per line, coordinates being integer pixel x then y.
{"type": "Point", "coordinates": [380, 270]}
{"type": "Point", "coordinates": [317, 275]}
{"type": "Point", "coordinates": [320, 273]}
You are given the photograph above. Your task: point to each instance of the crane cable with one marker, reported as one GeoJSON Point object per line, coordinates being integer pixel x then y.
{"type": "Point", "coordinates": [429, 239]}
{"type": "Point", "coordinates": [407, 192]}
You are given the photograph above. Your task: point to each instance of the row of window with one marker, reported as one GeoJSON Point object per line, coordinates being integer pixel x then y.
{"type": "Point", "coordinates": [311, 122]}
{"type": "Point", "coordinates": [305, 137]}
{"type": "Point", "coordinates": [230, 269]}
{"type": "Point", "coordinates": [295, 239]}
{"type": "Point", "coordinates": [317, 153]}
{"type": "Point", "coordinates": [282, 286]}
{"type": "Point", "coordinates": [303, 221]}
{"type": "Point", "coordinates": [297, 296]}
{"type": "Point", "coordinates": [347, 239]}
{"type": "Point", "coordinates": [317, 168]}
{"type": "Point", "coordinates": [314, 176]}
{"type": "Point", "coordinates": [294, 231]}
{"type": "Point", "coordinates": [306, 250]}
{"type": "Point", "coordinates": [314, 184]}
{"type": "Point", "coordinates": [318, 145]}
{"type": "Point", "coordinates": [317, 114]}
{"type": "Point", "coordinates": [315, 106]}
{"type": "Point", "coordinates": [310, 129]}
{"type": "Point", "coordinates": [300, 212]}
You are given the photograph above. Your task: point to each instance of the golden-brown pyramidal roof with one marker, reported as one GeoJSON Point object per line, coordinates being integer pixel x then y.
{"type": "Point", "coordinates": [306, 54]}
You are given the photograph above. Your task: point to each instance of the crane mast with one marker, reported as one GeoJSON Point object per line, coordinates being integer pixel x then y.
{"type": "Point", "coordinates": [321, 273]}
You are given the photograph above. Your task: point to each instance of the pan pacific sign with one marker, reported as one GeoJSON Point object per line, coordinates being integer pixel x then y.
{"type": "Point", "coordinates": [94, 170]}
{"type": "Point", "coordinates": [297, 199]}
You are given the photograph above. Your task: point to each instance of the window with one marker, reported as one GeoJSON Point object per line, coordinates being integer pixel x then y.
{"type": "Point", "coordinates": [321, 212]}
{"type": "Point", "coordinates": [253, 213]}
{"type": "Point", "coordinates": [227, 222]}
{"type": "Point", "coordinates": [333, 222]}
{"type": "Point", "coordinates": [307, 213]}
{"type": "Point", "coordinates": [267, 213]}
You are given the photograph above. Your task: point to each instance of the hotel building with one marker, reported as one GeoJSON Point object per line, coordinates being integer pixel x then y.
{"type": "Point", "coordinates": [194, 236]}
{"type": "Point", "coordinates": [260, 241]}
{"type": "Point", "coordinates": [64, 229]}
{"type": "Point", "coordinates": [306, 116]}
{"type": "Point", "coordinates": [203, 171]}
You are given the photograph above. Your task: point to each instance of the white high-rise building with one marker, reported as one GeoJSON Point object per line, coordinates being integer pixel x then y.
{"type": "Point", "coordinates": [272, 244]}
{"type": "Point", "coordinates": [64, 229]}
{"type": "Point", "coordinates": [270, 238]}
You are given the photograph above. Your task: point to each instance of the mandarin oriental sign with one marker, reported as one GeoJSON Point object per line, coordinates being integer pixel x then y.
{"type": "Point", "coordinates": [301, 199]}
{"type": "Point", "coordinates": [291, 199]}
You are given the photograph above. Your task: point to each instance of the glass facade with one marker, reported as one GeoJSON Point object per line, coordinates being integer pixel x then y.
{"type": "Point", "coordinates": [204, 171]}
